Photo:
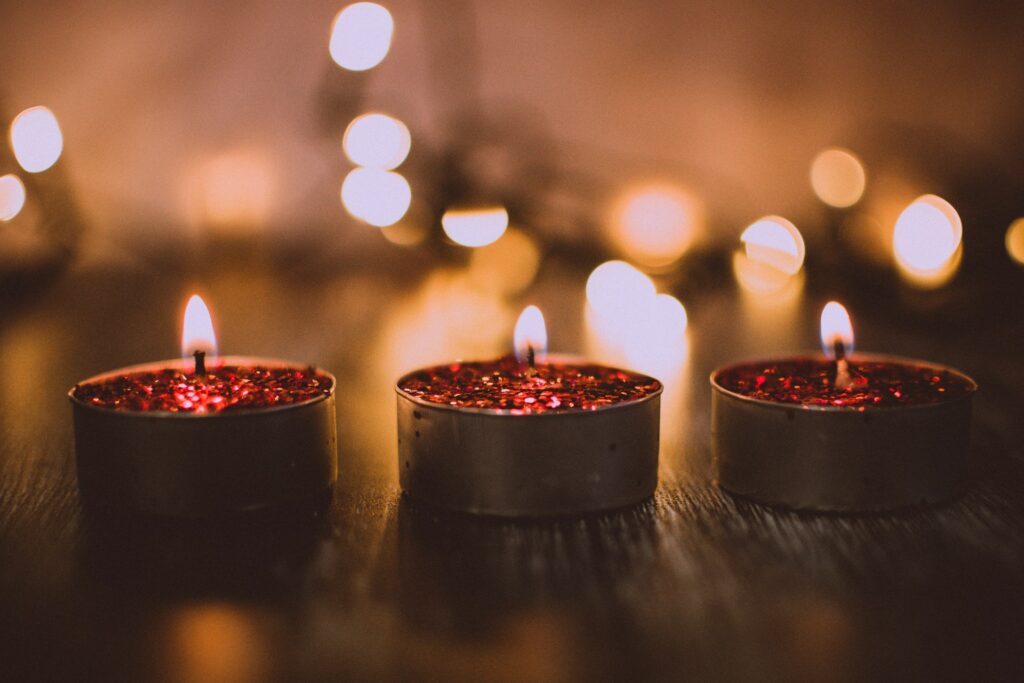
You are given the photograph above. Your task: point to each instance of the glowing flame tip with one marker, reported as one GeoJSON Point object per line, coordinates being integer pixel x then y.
{"type": "Point", "coordinates": [197, 331]}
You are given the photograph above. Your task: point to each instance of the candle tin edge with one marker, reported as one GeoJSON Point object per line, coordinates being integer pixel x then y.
{"type": "Point", "coordinates": [873, 357]}
{"type": "Point", "coordinates": [187, 365]}
{"type": "Point", "coordinates": [504, 412]}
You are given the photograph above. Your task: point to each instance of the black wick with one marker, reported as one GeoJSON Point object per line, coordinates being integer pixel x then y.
{"type": "Point", "coordinates": [840, 368]}
{"type": "Point", "coordinates": [200, 357]}
{"type": "Point", "coordinates": [839, 349]}
{"type": "Point", "coordinates": [531, 361]}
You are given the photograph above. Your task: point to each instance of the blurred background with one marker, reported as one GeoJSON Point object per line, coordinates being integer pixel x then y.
{"type": "Point", "coordinates": [638, 130]}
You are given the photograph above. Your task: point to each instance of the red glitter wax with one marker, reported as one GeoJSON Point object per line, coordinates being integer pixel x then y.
{"type": "Point", "coordinates": [228, 388]}
{"type": "Point", "coordinates": [874, 383]}
{"type": "Point", "coordinates": [506, 385]}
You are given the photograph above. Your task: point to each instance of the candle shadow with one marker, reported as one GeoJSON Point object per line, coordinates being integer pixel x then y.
{"type": "Point", "coordinates": [471, 576]}
{"type": "Point", "coordinates": [254, 554]}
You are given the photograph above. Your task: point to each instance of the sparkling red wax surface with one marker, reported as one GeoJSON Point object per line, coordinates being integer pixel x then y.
{"type": "Point", "coordinates": [809, 381]}
{"type": "Point", "coordinates": [506, 385]}
{"type": "Point", "coordinates": [229, 388]}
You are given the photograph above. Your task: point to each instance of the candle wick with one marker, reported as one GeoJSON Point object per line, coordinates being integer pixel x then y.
{"type": "Point", "coordinates": [840, 367]}
{"type": "Point", "coordinates": [531, 361]}
{"type": "Point", "coordinates": [200, 357]}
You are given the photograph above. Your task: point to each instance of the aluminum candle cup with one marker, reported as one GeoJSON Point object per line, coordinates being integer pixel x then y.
{"type": "Point", "coordinates": [190, 464]}
{"type": "Point", "coordinates": [515, 463]}
{"type": "Point", "coordinates": [843, 458]}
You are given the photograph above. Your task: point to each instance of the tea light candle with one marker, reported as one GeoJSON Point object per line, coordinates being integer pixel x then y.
{"type": "Point", "coordinates": [524, 436]}
{"type": "Point", "coordinates": [206, 436]}
{"type": "Point", "coordinates": [840, 432]}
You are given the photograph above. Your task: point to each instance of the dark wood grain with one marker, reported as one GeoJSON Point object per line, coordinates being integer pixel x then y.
{"type": "Point", "coordinates": [368, 586]}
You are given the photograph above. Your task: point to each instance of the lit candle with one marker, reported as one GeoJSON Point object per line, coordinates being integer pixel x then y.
{"type": "Point", "coordinates": [206, 434]}
{"type": "Point", "coordinates": [528, 436]}
{"type": "Point", "coordinates": [841, 432]}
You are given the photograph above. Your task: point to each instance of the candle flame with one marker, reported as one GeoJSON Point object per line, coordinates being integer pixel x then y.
{"type": "Point", "coordinates": [531, 335]}
{"type": "Point", "coordinates": [836, 327]}
{"type": "Point", "coordinates": [197, 332]}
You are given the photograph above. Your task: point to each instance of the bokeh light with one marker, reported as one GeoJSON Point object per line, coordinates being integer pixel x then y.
{"type": "Point", "coordinates": [772, 258]}
{"type": "Point", "coordinates": [361, 36]}
{"type": "Point", "coordinates": [377, 197]}
{"type": "Point", "coordinates": [405, 233]}
{"type": "Point", "coordinates": [654, 225]}
{"type": "Point", "coordinates": [507, 266]}
{"type": "Point", "coordinates": [776, 242]}
{"type": "Point", "coordinates": [475, 227]}
{"type": "Point", "coordinates": [616, 289]}
{"type": "Point", "coordinates": [672, 317]}
{"type": "Point", "coordinates": [446, 317]}
{"type": "Point", "coordinates": [233, 189]}
{"type": "Point", "coordinates": [763, 280]}
{"type": "Point", "coordinates": [12, 197]}
{"type": "Point", "coordinates": [838, 177]}
{"type": "Point", "coordinates": [628, 324]}
{"type": "Point", "coordinates": [655, 342]}
{"type": "Point", "coordinates": [927, 241]}
{"type": "Point", "coordinates": [36, 139]}
{"type": "Point", "coordinates": [377, 141]}
{"type": "Point", "coordinates": [211, 642]}
{"type": "Point", "coordinates": [1015, 241]}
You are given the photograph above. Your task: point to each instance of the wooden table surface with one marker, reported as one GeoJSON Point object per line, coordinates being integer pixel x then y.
{"type": "Point", "coordinates": [692, 585]}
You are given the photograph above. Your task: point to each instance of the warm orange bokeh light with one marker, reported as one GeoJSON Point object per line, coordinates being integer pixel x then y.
{"type": "Point", "coordinates": [507, 266]}
{"type": "Point", "coordinates": [233, 190]}
{"type": "Point", "coordinates": [197, 330]}
{"type": "Point", "coordinates": [775, 242]}
{"type": "Point", "coordinates": [838, 177]}
{"type": "Point", "coordinates": [655, 225]}
{"type": "Point", "coordinates": [927, 241]}
{"type": "Point", "coordinates": [1015, 241]}
{"type": "Point", "coordinates": [216, 643]}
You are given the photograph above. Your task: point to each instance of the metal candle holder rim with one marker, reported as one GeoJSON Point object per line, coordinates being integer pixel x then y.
{"type": "Point", "coordinates": [972, 386]}
{"type": "Point", "coordinates": [505, 412]}
{"type": "Point", "coordinates": [168, 415]}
